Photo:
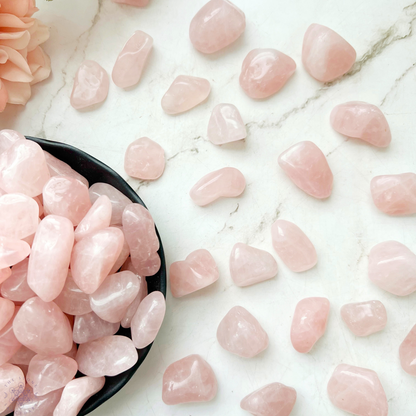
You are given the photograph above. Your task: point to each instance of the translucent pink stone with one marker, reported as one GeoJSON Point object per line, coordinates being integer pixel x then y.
{"type": "Point", "coordinates": [124, 254]}
{"type": "Point", "coordinates": [148, 319]}
{"type": "Point", "coordinates": [240, 333]}
{"type": "Point", "coordinates": [23, 356]}
{"type": "Point", "coordinates": [16, 287]}
{"type": "Point", "coordinates": [188, 380]}
{"type": "Point", "coordinates": [249, 265]}
{"type": "Point", "coordinates": [130, 63]}
{"type": "Point", "coordinates": [136, 3]}
{"type": "Point", "coordinates": [358, 391]}
{"type": "Point", "coordinates": [29, 404]}
{"type": "Point", "coordinates": [9, 410]}
{"type": "Point", "coordinates": [150, 266]}
{"type": "Point", "coordinates": [12, 384]}
{"type": "Point", "coordinates": [275, 399]}
{"type": "Point", "coordinates": [24, 169]}
{"type": "Point", "coordinates": [5, 274]}
{"type": "Point", "coordinates": [265, 72]}
{"type": "Point", "coordinates": [89, 327]}
{"type": "Point", "coordinates": [293, 246]}
{"type": "Point", "coordinates": [8, 138]}
{"type": "Point", "coordinates": [107, 356]}
{"type": "Point", "coordinates": [131, 310]}
{"type": "Point", "coordinates": [407, 352]}
{"type": "Point", "coordinates": [144, 159]}
{"type": "Point", "coordinates": [218, 24]}
{"type": "Point", "coordinates": [392, 266]}
{"type": "Point", "coordinates": [42, 327]}
{"type": "Point", "coordinates": [67, 197]}
{"type": "Point", "coordinates": [6, 312]}
{"type": "Point", "coordinates": [76, 393]}
{"type": "Point", "coordinates": [325, 54]}
{"type": "Point", "coordinates": [361, 121]}
{"type": "Point", "coordinates": [9, 344]}
{"type": "Point", "coordinates": [91, 85]}
{"type": "Point", "coordinates": [395, 194]}
{"type": "Point", "coordinates": [307, 167]}
{"type": "Point", "coordinates": [12, 251]}
{"type": "Point", "coordinates": [94, 256]}
{"type": "Point", "coordinates": [73, 352]}
{"type": "Point", "coordinates": [309, 323]}
{"type": "Point", "coordinates": [186, 92]}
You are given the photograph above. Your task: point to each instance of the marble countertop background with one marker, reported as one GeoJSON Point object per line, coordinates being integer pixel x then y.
{"type": "Point", "coordinates": [343, 228]}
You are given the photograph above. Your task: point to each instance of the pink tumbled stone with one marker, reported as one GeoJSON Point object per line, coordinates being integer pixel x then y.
{"type": "Point", "coordinates": [94, 256]}
{"type": "Point", "coordinates": [124, 255]}
{"type": "Point", "coordinates": [293, 246]}
{"type": "Point", "coordinates": [9, 344]}
{"type": "Point", "coordinates": [218, 24]}
{"type": "Point", "coordinates": [265, 72]}
{"type": "Point", "coordinates": [12, 384]}
{"type": "Point", "coordinates": [249, 265]}
{"type": "Point", "coordinates": [395, 194]}
{"type": "Point", "coordinates": [107, 356]}
{"type": "Point", "coordinates": [148, 319]}
{"type": "Point", "coordinates": [76, 393]}
{"type": "Point", "coordinates": [23, 356]}
{"type": "Point", "coordinates": [89, 327]}
{"type": "Point", "coordinates": [186, 92]}
{"type": "Point", "coordinates": [150, 266]}
{"type": "Point", "coordinates": [407, 352]}
{"type": "Point", "coordinates": [5, 274]}
{"type": "Point", "coordinates": [12, 251]}
{"type": "Point", "coordinates": [325, 54]}
{"type": "Point", "coordinates": [361, 121]}
{"type": "Point", "coordinates": [42, 327]}
{"type": "Point", "coordinates": [8, 138]}
{"type": "Point", "coordinates": [135, 3]}
{"type": "Point", "coordinates": [144, 159]}
{"type": "Point", "coordinates": [16, 287]}
{"type": "Point", "coordinates": [6, 312]}
{"type": "Point", "coordinates": [309, 323]}
{"type": "Point", "coordinates": [91, 85]}
{"type": "Point", "coordinates": [131, 310]}
{"type": "Point", "coordinates": [30, 405]}
{"type": "Point", "coordinates": [358, 391]}
{"type": "Point", "coordinates": [307, 167]}
{"type": "Point", "coordinates": [240, 333]}
{"type": "Point", "coordinates": [132, 59]}
{"type": "Point", "coordinates": [188, 380]}
{"type": "Point", "coordinates": [73, 351]}
{"type": "Point", "coordinates": [197, 271]}
{"type": "Point", "coordinates": [275, 399]}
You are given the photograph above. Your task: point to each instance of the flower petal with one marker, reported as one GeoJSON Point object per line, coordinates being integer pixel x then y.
{"type": "Point", "coordinates": [16, 58]}
{"type": "Point", "coordinates": [17, 7]}
{"type": "Point", "coordinates": [11, 22]}
{"type": "Point", "coordinates": [15, 40]}
{"type": "Point", "coordinates": [39, 34]}
{"type": "Point", "coordinates": [19, 92]}
{"type": "Point", "coordinates": [40, 65]}
{"type": "Point", "coordinates": [4, 96]}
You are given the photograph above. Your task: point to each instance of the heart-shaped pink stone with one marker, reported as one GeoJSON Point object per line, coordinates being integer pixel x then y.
{"type": "Point", "coordinates": [29, 404]}
{"type": "Point", "coordinates": [407, 352]}
{"type": "Point", "coordinates": [6, 312]}
{"type": "Point", "coordinates": [12, 384]}
{"type": "Point", "coordinates": [16, 287]}
{"type": "Point", "coordinates": [8, 138]}
{"type": "Point", "coordinates": [12, 251]}
{"type": "Point", "coordinates": [89, 327]}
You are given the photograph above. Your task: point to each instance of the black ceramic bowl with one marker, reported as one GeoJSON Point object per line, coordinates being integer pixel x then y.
{"type": "Point", "coordinates": [96, 171]}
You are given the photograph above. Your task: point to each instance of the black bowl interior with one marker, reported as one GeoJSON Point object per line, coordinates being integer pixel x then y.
{"type": "Point", "coordinates": [96, 171]}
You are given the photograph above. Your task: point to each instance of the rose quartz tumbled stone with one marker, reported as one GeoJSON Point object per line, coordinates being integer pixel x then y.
{"type": "Point", "coordinates": [131, 310]}
{"type": "Point", "coordinates": [89, 327]}
{"type": "Point", "coordinates": [5, 274]}
{"type": "Point", "coordinates": [358, 391]}
{"type": "Point", "coordinates": [29, 404]}
{"type": "Point", "coordinates": [407, 352]}
{"type": "Point", "coordinates": [325, 54]}
{"type": "Point", "coordinates": [9, 344]}
{"type": "Point", "coordinates": [12, 251]}
{"type": "Point", "coordinates": [218, 24]}
{"type": "Point", "coordinates": [23, 356]}
{"type": "Point", "coordinates": [8, 138]}
{"type": "Point", "coordinates": [275, 399]}
{"type": "Point", "coordinates": [240, 333]}
{"type": "Point", "coordinates": [124, 254]}
{"type": "Point", "coordinates": [307, 167]}
{"type": "Point", "coordinates": [309, 323]}
{"type": "Point", "coordinates": [186, 92]}
{"type": "Point", "coordinates": [136, 3]}
{"type": "Point", "coordinates": [12, 384]}
{"type": "Point", "coordinates": [16, 287]}
{"type": "Point", "coordinates": [188, 380]}
{"type": "Point", "coordinates": [6, 312]}
{"type": "Point", "coordinates": [197, 271]}
{"type": "Point", "coordinates": [265, 72]}
{"type": "Point", "coordinates": [144, 159]}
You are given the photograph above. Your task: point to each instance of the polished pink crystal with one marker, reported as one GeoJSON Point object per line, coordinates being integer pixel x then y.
{"type": "Point", "coordinates": [309, 323]}
{"type": "Point", "coordinates": [29, 404]}
{"type": "Point", "coordinates": [94, 256]}
{"type": "Point", "coordinates": [12, 384]}
{"type": "Point", "coordinates": [9, 410]}
{"type": "Point", "coordinates": [136, 3]}
{"type": "Point", "coordinates": [12, 251]}
{"type": "Point", "coordinates": [188, 380]}
{"type": "Point", "coordinates": [293, 246]}
{"type": "Point", "coordinates": [217, 24]}
{"type": "Point", "coordinates": [23, 356]}
{"type": "Point", "coordinates": [8, 138]}
{"type": "Point", "coordinates": [91, 85]}
{"type": "Point", "coordinates": [16, 287]}
{"type": "Point", "coordinates": [265, 72]}
{"type": "Point", "coordinates": [132, 309]}
{"type": "Point", "coordinates": [124, 254]}
{"type": "Point", "coordinates": [395, 194]}
{"type": "Point", "coordinates": [6, 312]}
{"type": "Point", "coordinates": [9, 344]}
{"type": "Point", "coordinates": [186, 92]}
{"type": "Point", "coordinates": [307, 167]}
{"type": "Point", "coordinates": [358, 391]}
{"type": "Point", "coordinates": [5, 274]}
{"type": "Point", "coordinates": [73, 351]}
{"type": "Point", "coordinates": [89, 327]}
{"type": "Point", "coordinates": [407, 352]}
{"type": "Point", "coordinates": [197, 271]}
{"type": "Point", "coordinates": [240, 333]}
{"type": "Point", "coordinates": [150, 266]}
{"type": "Point", "coordinates": [325, 54]}
{"type": "Point", "coordinates": [148, 319]}
{"type": "Point", "coordinates": [132, 59]}
{"type": "Point", "coordinates": [274, 399]}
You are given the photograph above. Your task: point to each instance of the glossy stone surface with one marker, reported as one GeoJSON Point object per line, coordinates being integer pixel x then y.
{"type": "Point", "coordinates": [132, 59]}
{"type": "Point", "coordinates": [124, 254]}
{"type": "Point", "coordinates": [144, 159]}
{"type": "Point", "coordinates": [325, 54]}
{"type": "Point", "coordinates": [363, 121]}
{"type": "Point", "coordinates": [186, 92]}
{"type": "Point", "coordinates": [407, 352]}
{"type": "Point", "coordinates": [8, 138]}
{"type": "Point", "coordinates": [89, 327]}
{"type": "Point", "coordinates": [306, 165]}
{"type": "Point", "coordinates": [23, 356]}
{"type": "Point", "coordinates": [30, 405]}
{"type": "Point", "coordinates": [188, 380]}
{"type": "Point", "coordinates": [197, 271]}
{"type": "Point", "coordinates": [91, 85]}
{"type": "Point", "coordinates": [12, 384]}
{"type": "Point", "coordinates": [131, 310]}
{"type": "Point", "coordinates": [12, 251]}
{"type": "Point", "coordinates": [358, 391]}
{"type": "Point", "coordinates": [5, 274]}
{"type": "Point", "coordinates": [265, 72]}
{"type": "Point", "coordinates": [9, 344]}
{"type": "Point", "coordinates": [6, 312]}
{"type": "Point", "coordinates": [309, 323]}
{"type": "Point", "coordinates": [16, 287]}
{"type": "Point", "coordinates": [240, 333]}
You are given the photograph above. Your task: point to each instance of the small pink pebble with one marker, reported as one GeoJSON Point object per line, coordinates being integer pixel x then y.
{"type": "Point", "coordinates": [12, 384]}
{"type": "Point", "coordinates": [197, 271]}
{"type": "Point", "coordinates": [16, 287]}
{"type": "Point", "coordinates": [10, 409]}
{"type": "Point", "coordinates": [89, 327]}
{"type": "Point", "coordinates": [23, 356]}
{"type": "Point", "coordinates": [275, 399]}
{"type": "Point", "coordinates": [124, 254]}
{"type": "Point", "coordinates": [29, 404]}
{"type": "Point", "coordinates": [9, 344]}
{"type": "Point", "coordinates": [407, 352]}
{"type": "Point", "coordinates": [12, 251]}
{"type": "Point", "coordinates": [73, 352]}
{"type": "Point", "coordinates": [131, 310]}
{"type": "Point", "coordinates": [5, 274]}
{"type": "Point", "coordinates": [189, 380]}
{"type": "Point", "coordinates": [6, 312]}
{"type": "Point", "coordinates": [136, 3]}
{"type": "Point", "coordinates": [8, 138]}
{"type": "Point", "coordinates": [265, 72]}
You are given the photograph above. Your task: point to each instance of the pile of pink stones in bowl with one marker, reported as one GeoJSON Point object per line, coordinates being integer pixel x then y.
{"type": "Point", "coordinates": [73, 261]}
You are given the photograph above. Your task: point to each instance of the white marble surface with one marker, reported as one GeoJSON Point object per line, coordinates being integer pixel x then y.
{"type": "Point", "coordinates": [343, 228]}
